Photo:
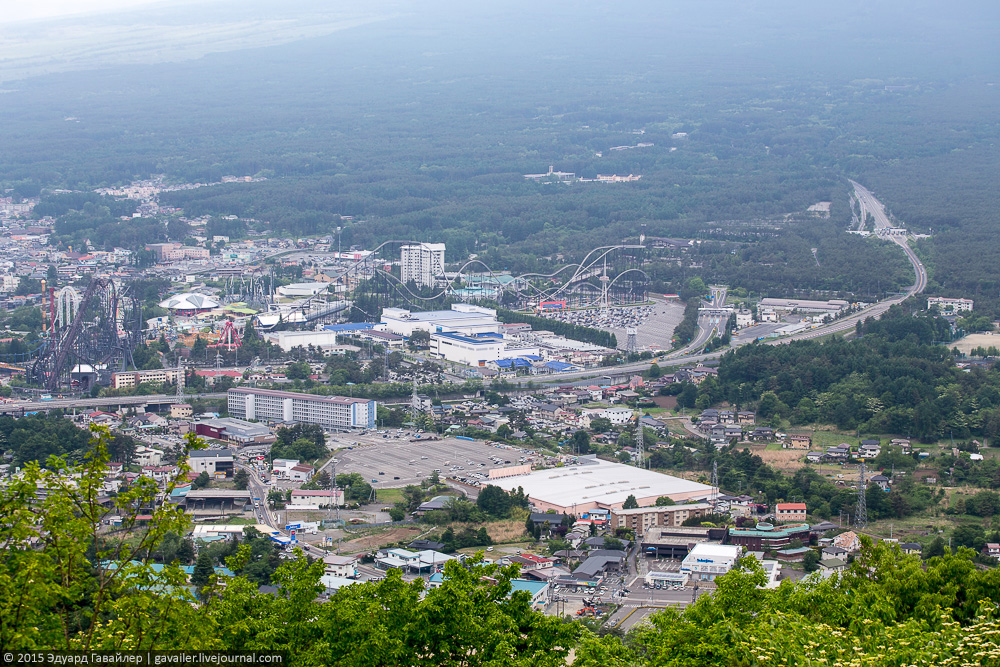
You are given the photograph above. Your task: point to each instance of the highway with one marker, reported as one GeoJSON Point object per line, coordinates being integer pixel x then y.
{"type": "Point", "coordinates": [686, 355]}
{"type": "Point", "coordinates": [869, 204]}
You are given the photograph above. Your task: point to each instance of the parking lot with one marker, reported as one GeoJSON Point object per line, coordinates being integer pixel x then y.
{"type": "Point", "coordinates": [399, 459]}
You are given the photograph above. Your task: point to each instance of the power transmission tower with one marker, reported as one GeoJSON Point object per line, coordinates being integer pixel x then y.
{"type": "Point", "coordinates": [640, 445]}
{"type": "Point", "coordinates": [715, 483]}
{"type": "Point", "coordinates": [861, 513]}
{"type": "Point", "coordinates": [180, 380]}
{"type": "Point", "coordinates": [333, 487]}
{"type": "Point", "coordinates": [415, 406]}
{"type": "Point", "coordinates": [631, 346]}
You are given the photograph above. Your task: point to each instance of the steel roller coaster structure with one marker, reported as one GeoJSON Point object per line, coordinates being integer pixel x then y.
{"type": "Point", "coordinates": [606, 277]}
{"type": "Point", "coordinates": [93, 334]}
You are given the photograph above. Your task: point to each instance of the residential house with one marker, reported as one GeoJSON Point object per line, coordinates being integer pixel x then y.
{"type": "Point", "coordinates": [341, 566]}
{"type": "Point", "coordinates": [799, 441]}
{"type": "Point", "coordinates": [903, 444]}
{"type": "Point", "coordinates": [746, 418]}
{"type": "Point", "coordinates": [618, 416]}
{"type": "Point", "coordinates": [147, 456]}
{"type": "Point", "coordinates": [869, 449]}
{"type": "Point", "coordinates": [839, 453]}
{"type": "Point", "coordinates": [159, 474]}
{"type": "Point", "coordinates": [762, 434]}
{"type": "Point", "coordinates": [833, 565]}
{"type": "Point", "coordinates": [849, 541]}
{"type": "Point", "coordinates": [834, 551]}
{"type": "Point", "coordinates": [881, 480]}
{"type": "Point", "coordinates": [914, 548]}
{"type": "Point", "coordinates": [548, 519]}
{"type": "Point", "coordinates": [992, 549]}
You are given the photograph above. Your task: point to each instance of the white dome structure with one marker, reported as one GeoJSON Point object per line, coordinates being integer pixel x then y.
{"type": "Point", "coordinates": [191, 301]}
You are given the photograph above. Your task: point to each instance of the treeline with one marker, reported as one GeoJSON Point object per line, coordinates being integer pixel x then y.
{"type": "Point", "coordinates": [685, 331]}
{"type": "Point", "coordinates": [892, 380]}
{"type": "Point", "coordinates": [58, 205]}
{"type": "Point", "coordinates": [566, 329]}
{"type": "Point", "coordinates": [42, 435]}
{"type": "Point", "coordinates": [783, 263]}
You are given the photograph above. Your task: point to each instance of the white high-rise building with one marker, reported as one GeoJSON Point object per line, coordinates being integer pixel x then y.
{"type": "Point", "coordinates": [422, 262]}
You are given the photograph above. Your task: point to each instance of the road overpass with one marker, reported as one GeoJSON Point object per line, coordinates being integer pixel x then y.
{"type": "Point", "coordinates": [14, 407]}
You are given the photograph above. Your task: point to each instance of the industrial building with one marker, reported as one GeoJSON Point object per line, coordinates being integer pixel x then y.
{"type": "Point", "coordinates": [216, 462]}
{"type": "Point", "coordinates": [337, 412]}
{"type": "Point", "coordinates": [287, 340]}
{"type": "Point", "coordinates": [234, 430]}
{"type": "Point", "coordinates": [597, 484]}
{"type": "Point", "coordinates": [421, 263]}
{"type": "Point", "coordinates": [677, 541]}
{"type": "Point", "coordinates": [463, 318]}
{"type": "Point", "coordinates": [477, 350]}
{"type": "Point", "coordinates": [948, 306]}
{"type": "Point", "coordinates": [832, 307]}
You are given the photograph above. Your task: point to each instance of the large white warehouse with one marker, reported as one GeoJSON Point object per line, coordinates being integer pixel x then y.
{"type": "Point", "coordinates": [598, 484]}
{"type": "Point", "coordinates": [463, 318]}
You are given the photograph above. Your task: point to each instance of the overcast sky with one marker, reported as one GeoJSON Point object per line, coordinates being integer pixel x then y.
{"type": "Point", "coordinates": [13, 10]}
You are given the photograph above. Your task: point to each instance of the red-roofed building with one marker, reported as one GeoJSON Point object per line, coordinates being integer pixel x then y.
{"type": "Point", "coordinates": [790, 511]}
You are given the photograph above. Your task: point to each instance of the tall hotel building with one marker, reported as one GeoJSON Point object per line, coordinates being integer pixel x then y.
{"type": "Point", "coordinates": [286, 406]}
{"type": "Point", "coordinates": [421, 263]}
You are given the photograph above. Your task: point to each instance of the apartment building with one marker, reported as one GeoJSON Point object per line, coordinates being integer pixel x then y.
{"type": "Point", "coordinates": [130, 379]}
{"type": "Point", "coordinates": [337, 412]}
{"type": "Point", "coordinates": [641, 519]}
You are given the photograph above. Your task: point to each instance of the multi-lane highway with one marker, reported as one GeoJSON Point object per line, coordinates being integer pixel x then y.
{"type": "Point", "coordinates": [869, 204]}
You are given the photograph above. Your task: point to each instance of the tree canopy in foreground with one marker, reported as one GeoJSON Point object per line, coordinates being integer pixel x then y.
{"type": "Point", "coordinates": [67, 583]}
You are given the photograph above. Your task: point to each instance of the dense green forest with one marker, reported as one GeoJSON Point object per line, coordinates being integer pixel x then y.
{"type": "Point", "coordinates": [428, 136]}
{"type": "Point", "coordinates": [894, 379]}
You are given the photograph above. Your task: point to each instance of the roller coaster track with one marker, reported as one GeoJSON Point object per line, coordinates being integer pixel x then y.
{"type": "Point", "coordinates": [521, 285]}
{"type": "Point", "coordinates": [52, 381]}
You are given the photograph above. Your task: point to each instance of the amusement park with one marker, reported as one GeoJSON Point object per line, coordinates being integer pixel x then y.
{"type": "Point", "coordinates": [90, 334]}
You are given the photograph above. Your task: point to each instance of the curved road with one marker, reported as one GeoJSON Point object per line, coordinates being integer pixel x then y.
{"type": "Point", "coordinates": [869, 204]}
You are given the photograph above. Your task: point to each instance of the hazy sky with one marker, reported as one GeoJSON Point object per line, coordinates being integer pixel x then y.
{"type": "Point", "coordinates": [43, 9]}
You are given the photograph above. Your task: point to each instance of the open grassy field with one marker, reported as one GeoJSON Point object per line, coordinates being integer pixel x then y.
{"type": "Point", "coordinates": [375, 538]}
{"type": "Point", "coordinates": [389, 497]}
